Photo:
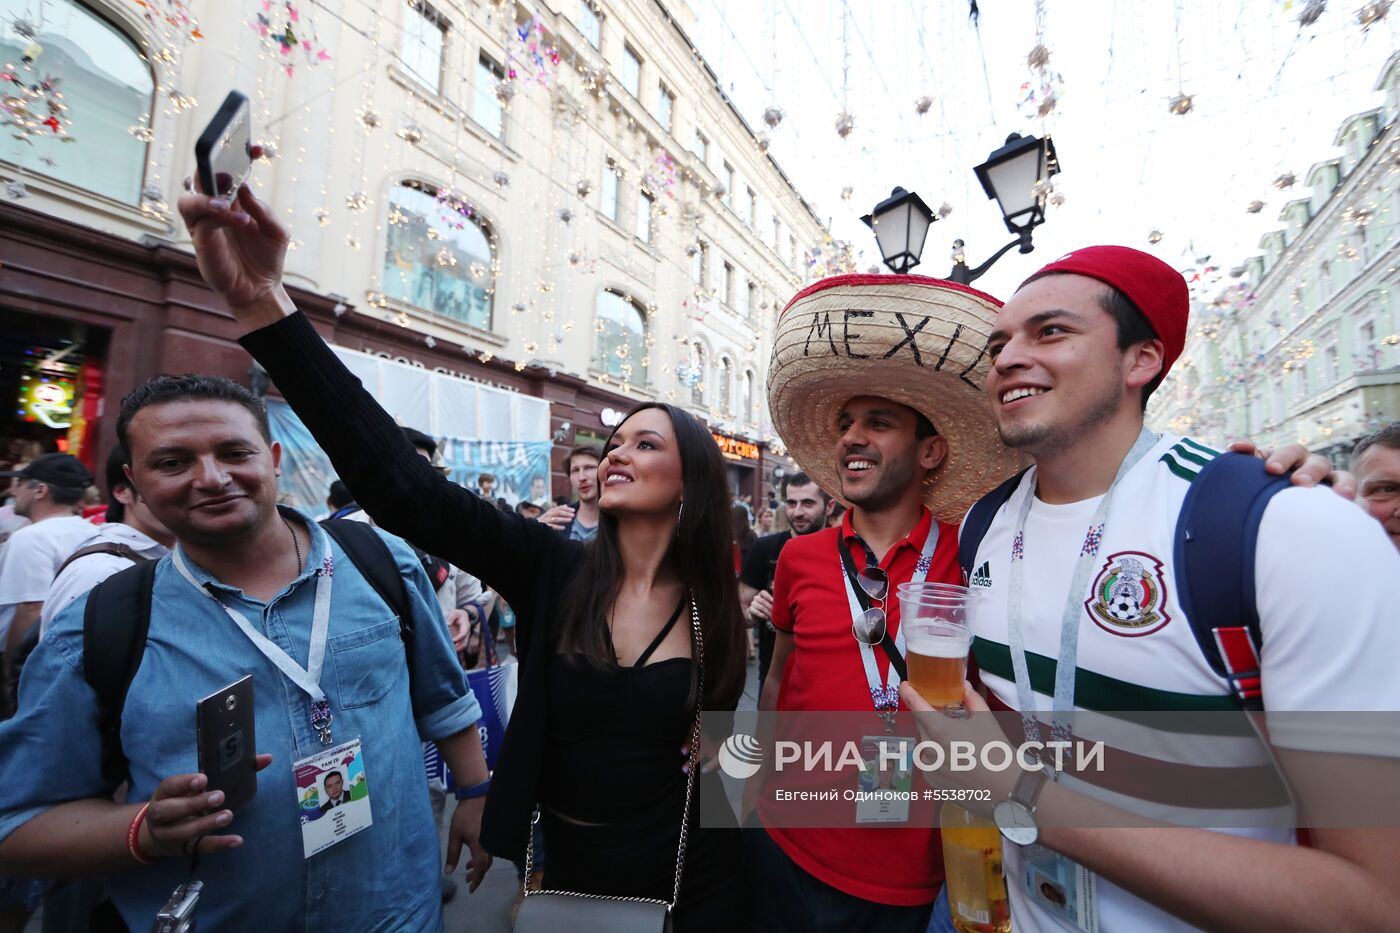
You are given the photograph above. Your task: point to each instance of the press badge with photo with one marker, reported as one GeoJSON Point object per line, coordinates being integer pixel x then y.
{"type": "Point", "coordinates": [333, 796]}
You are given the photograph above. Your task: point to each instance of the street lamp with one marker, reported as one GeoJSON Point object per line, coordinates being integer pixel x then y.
{"type": "Point", "coordinates": [901, 224]}
{"type": "Point", "coordinates": [1014, 176]}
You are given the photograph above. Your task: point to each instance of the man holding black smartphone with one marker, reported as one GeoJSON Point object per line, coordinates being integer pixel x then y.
{"type": "Point", "coordinates": [341, 686]}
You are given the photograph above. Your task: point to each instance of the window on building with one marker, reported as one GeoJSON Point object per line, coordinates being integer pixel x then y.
{"type": "Point", "coordinates": [750, 299]}
{"type": "Point", "coordinates": [632, 71]}
{"type": "Point", "coordinates": [728, 178]}
{"type": "Point", "coordinates": [420, 51]}
{"type": "Point", "coordinates": [438, 255]}
{"type": "Point", "coordinates": [699, 264]}
{"type": "Point", "coordinates": [610, 188]}
{"type": "Point", "coordinates": [1367, 354]}
{"type": "Point", "coordinates": [698, 371]}
{"type": "Point", "coordinates": [665, 104]}
{"type": "Point", "coordinates": [746, 398]}
{"type": "Point", "coordinates": [644, 203]}
{"type": "Point", "coordinates": [107, 87]}
{"type": "Point", "coordinates": [777, 233]}
{"type": "Point", "coordinates": [487, 110]}
{"type": "Point", "coordinates": [702, 148]}
{"type": "Point", "coordinates": [621, 347]}
{"type": "Point", "coordinates": [726, 387]}
{"type": "Point", "coordinates": [750, 206]}
{"type": "Point", "coordinates": [1279, 405]}
{"type": "Point", "coordinates": [726, 285]}
{"type": "Point", "coordinates": [590, 23]}
{"type": "Point", "coordinates": [1304, 383]}
{"type": "Point", "coordinates": [792, 252]}
{"type": "Point", "coordinates": [1334, 365]}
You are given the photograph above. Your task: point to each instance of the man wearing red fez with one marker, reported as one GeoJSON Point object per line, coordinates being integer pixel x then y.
{"type": "Point", "coordinates": [1081, 618]}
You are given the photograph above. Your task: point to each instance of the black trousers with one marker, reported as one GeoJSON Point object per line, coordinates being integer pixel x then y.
{"type": "Point", "coordinates": [786, 898]}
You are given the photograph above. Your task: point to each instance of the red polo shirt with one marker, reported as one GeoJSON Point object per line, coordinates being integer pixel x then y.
{"type": "Point", "coordinates": [903, 867]}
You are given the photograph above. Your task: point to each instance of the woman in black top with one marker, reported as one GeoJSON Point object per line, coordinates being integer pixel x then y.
{"type": "Point", "coordinates": [607, 687]}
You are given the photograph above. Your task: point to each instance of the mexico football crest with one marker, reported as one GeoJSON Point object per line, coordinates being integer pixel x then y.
{"type": "Point", "coordinates": [1129, 595]}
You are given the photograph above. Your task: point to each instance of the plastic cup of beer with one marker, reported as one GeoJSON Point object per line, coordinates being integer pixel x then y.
{"type": "Point", "coordinates": [933, 618]}
{"type": "Point", "coordinates": [936, 590]}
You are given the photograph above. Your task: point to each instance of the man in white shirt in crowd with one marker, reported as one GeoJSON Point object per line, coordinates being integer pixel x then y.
{"type": "Point", "coordinates": [46, 491]}
{"type": "Point", "coordinates": [130, 534]}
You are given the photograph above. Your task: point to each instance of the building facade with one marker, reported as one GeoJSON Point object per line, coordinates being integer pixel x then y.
{"type": "Point", "coordinates": [1306, 346]}
{"type": "Point", "coordinates": [557, 198]}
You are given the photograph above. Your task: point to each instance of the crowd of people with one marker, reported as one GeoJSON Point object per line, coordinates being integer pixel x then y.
{"type": "Point", "coordinates": [944, 438]}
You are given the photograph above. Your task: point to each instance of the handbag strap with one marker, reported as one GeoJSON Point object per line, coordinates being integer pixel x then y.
{"type": "Point", "coordinates": [697, 640]}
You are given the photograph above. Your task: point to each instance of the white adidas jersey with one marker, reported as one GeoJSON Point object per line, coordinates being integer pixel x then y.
{"type": "Point", "coordinates": [1323, 572]}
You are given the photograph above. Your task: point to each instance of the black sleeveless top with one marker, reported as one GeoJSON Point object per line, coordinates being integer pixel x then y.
{"type": "Point", "coordinates": [615, 736]}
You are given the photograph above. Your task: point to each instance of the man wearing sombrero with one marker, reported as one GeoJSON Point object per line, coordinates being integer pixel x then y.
{"type": "Point", "coordinates": [876, 389]}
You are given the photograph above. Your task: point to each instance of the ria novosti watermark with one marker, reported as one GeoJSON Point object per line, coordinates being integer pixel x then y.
{"type": "Point", "coordinates": [1203, 768]}
{"type": "Point", "coordinates": [741, 755]}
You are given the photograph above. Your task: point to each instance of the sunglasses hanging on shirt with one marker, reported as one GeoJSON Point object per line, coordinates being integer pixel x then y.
{"type": "Point", "coordinates": [870, 628]}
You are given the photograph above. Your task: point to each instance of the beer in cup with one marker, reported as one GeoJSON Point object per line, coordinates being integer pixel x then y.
{"type": "Point", "coordinates": [933, 617]}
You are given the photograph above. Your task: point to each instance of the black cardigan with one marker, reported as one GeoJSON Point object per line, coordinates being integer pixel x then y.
{"type": "Point", "coordinates": [525, 561]}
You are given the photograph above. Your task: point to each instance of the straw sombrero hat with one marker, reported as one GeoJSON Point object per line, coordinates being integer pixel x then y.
{"type": "Point", "coordinates": [914, 340]}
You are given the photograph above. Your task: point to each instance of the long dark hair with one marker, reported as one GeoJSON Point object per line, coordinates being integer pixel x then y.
{"type": "Point", "coordinates": [702, 553]}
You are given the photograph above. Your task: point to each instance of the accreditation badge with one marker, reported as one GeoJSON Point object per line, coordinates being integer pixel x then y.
{"type": "Point", "coordinates": [885, 786]}
{"type": "Point", "coordinates": [1060, 885]}
{"type": "Point", "coordinates": [332, 796]}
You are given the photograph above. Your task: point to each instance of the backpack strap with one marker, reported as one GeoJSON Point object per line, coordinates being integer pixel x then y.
{"type": "Point", "coordinates": [979, 519]}
{"type": "Point", "coordinates": [115, 622]}
{"type": "Point", "coordinates": [436, 568]}
{"type": "Point", "coordinates": [123, 551]}
{"type": "Point", "coordinates": [1216, 536]}
{"type": "Point", "coordinates": [376, 563]}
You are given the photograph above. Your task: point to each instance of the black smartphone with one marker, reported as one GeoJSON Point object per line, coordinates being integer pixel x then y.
{"type": "Point", "coordinates": [224, 152]}
{"type": "Point", "coordinates": [227, 743]}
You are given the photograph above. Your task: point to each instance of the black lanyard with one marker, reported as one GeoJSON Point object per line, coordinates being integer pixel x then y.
{"type": "Point", "coordinates": [862, 597]}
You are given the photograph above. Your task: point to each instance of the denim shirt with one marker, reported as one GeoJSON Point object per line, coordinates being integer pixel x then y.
{"type": "Point", "coordinates": [385, 877]}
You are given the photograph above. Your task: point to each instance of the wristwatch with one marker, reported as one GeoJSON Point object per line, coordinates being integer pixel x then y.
{"type": "Point", "coordinates": [1015, 816]}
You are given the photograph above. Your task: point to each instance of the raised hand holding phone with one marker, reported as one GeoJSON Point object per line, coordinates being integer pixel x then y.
{"type": "Point", "coordinates": [223, 153]}
{"type": "Point", "coordinates": [240, 247]}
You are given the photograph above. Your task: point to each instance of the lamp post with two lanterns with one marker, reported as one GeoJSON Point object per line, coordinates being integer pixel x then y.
{"type": "Point", "coordinates": [1014, 176]}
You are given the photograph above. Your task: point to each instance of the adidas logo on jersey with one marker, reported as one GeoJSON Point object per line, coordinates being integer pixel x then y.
{"type": "Point", "coordinates": [982, 576]}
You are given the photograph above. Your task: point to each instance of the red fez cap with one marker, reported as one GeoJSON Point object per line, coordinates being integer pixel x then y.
{"type": "Point", "coordinates": [1156, 288]}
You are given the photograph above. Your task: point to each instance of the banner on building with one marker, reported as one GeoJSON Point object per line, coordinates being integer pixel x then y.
{"type": "Point", "coordinates": [521, 468]}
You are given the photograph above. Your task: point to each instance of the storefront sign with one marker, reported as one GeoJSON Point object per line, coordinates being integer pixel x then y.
{"type": "Point", "coordinates": [735, 449]}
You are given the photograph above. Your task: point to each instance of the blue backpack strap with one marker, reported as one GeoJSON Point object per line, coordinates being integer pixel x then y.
{"type": "Point", "coordinates": [979, 519]}
{"type": "Point", "coordinates": [1216, 535]}
{"type": "Point", "coordinates": [115, 622]}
